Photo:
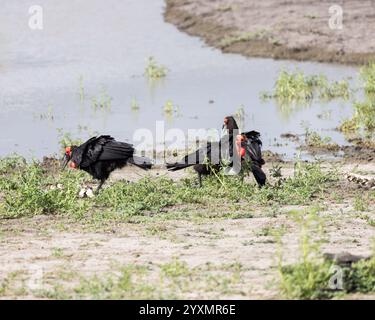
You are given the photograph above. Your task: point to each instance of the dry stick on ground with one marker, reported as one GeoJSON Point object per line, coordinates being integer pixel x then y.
{"type": "Point", "coordinates": [363, 181]}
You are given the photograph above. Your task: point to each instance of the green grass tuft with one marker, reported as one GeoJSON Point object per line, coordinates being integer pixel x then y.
{"type": "Point", "coordinates": [154, 70]}
{"type": "Point", "coordinates": [30, 189]}
{"type": "Point", "coordinates": [298, 87]}
{"type": "Point", "coordinates": [367, 74]}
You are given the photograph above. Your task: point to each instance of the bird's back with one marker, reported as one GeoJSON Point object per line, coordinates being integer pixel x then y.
{"type": "Point", "coordinates": [104, 148]}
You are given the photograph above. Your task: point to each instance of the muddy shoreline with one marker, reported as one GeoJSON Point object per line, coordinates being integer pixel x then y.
{"type": "Point", "coordinates": [296, 30]}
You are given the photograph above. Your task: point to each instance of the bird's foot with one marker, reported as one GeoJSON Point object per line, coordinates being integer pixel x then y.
{"type": "Point", "coordinates": [86, 192]}
{"type": "Point", "coordinates": [196, 185]}
{"type": "Point", "coordinates": [58, 186]}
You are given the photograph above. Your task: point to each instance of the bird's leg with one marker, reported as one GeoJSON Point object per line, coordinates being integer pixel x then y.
{"type": "Point", "coordinates": [100, 186]}
{"type": "Point", "coordinates": [200, 180]}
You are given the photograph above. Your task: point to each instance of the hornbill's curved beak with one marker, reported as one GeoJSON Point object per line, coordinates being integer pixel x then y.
{"type": "Point", "coordinates": [64, 161]}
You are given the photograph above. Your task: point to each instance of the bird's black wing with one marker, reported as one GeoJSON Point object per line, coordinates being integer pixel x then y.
{"type": "Point", "coordinates": [253, 135]}
{"type": "Point", "coordinates": [199, 156]}
{"type": "Point", "coordinates": [253, 149]}
{"type": "Point", "coordinates": [253, 146]}
{"type": "Point", "coordinates": [91, 150]}
{"type": "Point", "coordinates": [114, 150]}
{"type": "Point", "coordinates": [78, 154]}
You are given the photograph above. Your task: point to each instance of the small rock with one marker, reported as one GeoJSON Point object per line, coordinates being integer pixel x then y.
{"type": "Point", "coordinates": [344, 258]}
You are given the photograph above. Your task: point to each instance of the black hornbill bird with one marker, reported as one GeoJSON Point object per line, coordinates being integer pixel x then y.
{"type": "Point", "coordinates": [250, 150]}
{"type": "Point", "coordinates": [247, 146]}
{"type": "Point", "coordinates": [99, 156]}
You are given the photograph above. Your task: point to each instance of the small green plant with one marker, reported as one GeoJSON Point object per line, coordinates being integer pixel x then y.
{"type": "Point", "coordinates": [103, 101]}
{"type": "Point", "coordinates": [265, 232]}
{"type": "Point", "coordinates": [275, 171]}
{"type": "Point", "coordinates": [66, 139]}
{"type": "Point", "coordinates": [349, 126]}
{"type": "Point", "coordinates": [296, 86]}
{"type": "Point", "coordinates": [175, 268]}
{"type": "Point", "coordinates": [81, 90]}
{"type": "Point", "coordinates": [361, 277]}
{"type": "Point", "coordinates": [338, 89]}
{"type": "Point", "coordinates": [129, 284]}
{"type": "Point", "coordinates": [134, 105]}
{"type": "Point", "coordinates": [365, 114]}
{"type": "Point", "coordinates": [171, 280]}
{"type": "Point", "coordinates": [11, 164]}
{"type": "Point", "coordinates": [311, 277]}
{"type": "Point", "coordinates": [170, 109]}
{"type": "Point", "coordinates": [308, 182]}
{"type": "Point", "coordinates": [314, 140]}
{"type": "Point", "coordinates": [58, 252]}
{"type": "Point", "coordinates": [242, 37]}
{"type": "Point", "coordinates": [362, 124]}
{"type": "Point", "coordinates": [225, 8]}
{"type": "Point", "coordinates": [29, 190]}
{"type": "Point", "coordinates": [154, 70]}
{"type": "Point", "coordinates": [361, 203]}
{"type": "Point", "coordinates": [240, 115]}
{"type": "Point", "coordinates": [367, 74]}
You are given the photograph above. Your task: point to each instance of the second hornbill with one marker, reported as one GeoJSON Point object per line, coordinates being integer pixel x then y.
{"type": "Point", "coordinates": [249, 147]}
{"type": "Point", "coordinates": [246, 145]}
{"type": "Point", "coordinates": [99, 156]}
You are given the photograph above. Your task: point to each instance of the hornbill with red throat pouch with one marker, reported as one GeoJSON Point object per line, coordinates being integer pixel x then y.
{"type": "Point", "coordinates": [99, 156]}
{"type": "Point", "coordinates": [208, 158]}
{"type": "Point", "coordinates": [249, 147]}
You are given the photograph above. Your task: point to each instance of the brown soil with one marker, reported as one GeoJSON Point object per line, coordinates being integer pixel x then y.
{"type": "Point", "coordinates": [294, 29]}
{"type": "Point", "coordinates": [57, 245]}
{"type": "Point", "coordinates": [350, 154]}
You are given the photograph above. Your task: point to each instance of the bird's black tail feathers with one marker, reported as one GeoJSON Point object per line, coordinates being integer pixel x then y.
{"type": "Point", "coordinates": [177, 166]}
{"type": "Point", "coordinates": [141, 162]}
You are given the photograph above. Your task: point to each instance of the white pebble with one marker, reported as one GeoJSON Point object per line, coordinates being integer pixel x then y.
{"type": "Point", "coordinates": [90, 193]}
{"type": "Point", "coordinates": [82, 193]}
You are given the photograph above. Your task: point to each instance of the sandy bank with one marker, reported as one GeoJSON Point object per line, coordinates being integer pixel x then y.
{"type": "Point", "coordinates": [294, 29]}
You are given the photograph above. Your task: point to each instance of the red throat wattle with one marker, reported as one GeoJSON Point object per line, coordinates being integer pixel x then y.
{"type": "Point", "coordinates": [243, 152]}
{"type": "Point", "coordinates": [72, 165]}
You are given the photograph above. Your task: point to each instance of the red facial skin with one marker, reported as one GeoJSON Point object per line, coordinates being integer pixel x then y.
{"type": "Point", "coordinates": [240, 138]}
{"type": "Point", "coordinates": [241, 151]}
{"type": "Point", "coordinates": [68, 152]}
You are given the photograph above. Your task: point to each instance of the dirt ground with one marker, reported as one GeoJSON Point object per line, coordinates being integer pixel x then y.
{"type": "Point", "coordinates": [42, 251]}
{"type": "Point", "coordinates": [295, 29]}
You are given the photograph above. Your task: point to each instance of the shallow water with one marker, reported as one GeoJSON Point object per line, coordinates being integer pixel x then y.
{"type": "Point", "coordinates": [102, 46]}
